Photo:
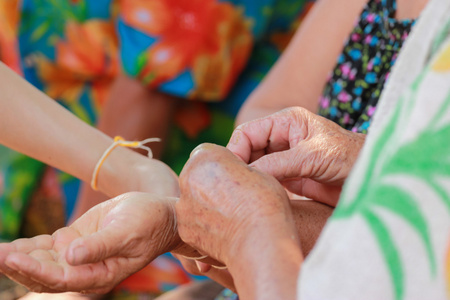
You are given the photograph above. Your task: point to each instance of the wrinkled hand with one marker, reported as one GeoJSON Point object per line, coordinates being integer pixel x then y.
{"type": "Point", "coordinates": [103, 247]}
{"type": "Point", "coordinates": [223, 202]}
{"type": "Point", "coordinates": [310, 155]}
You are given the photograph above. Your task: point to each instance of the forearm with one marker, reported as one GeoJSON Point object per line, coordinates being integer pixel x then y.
{"type": "Point", "coordinates": [267, 266]}
{"type": "Point", "coordinates": [310, 218]}
{"type": "Point", "coordinates": [268, 272]}
{"type": "Point", "coordinates": [37, 126]}
{"type": "Point", "coordinates": [135, 112]}
{"type": "Point", "coordinates": [298, 77]}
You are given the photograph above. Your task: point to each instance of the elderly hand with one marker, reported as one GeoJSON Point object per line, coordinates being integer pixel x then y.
{"type": "Point", "coordinates": [103, 247]}
{"type": "Point", "coordinates": [230, 212]}
{"type": "Point", "coordinates": [222, 198]}
{"type": "Point", "coordinates": [310, 155]}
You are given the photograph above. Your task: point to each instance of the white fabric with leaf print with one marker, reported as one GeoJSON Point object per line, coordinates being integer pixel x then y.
{"type": "Point", "coordinates": [389, 237]}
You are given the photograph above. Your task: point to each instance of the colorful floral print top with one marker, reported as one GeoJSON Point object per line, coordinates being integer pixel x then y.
{"type": "Point", "coordinates": [354, 87]}
{"type": "Point", "coordinates": [196, 49]}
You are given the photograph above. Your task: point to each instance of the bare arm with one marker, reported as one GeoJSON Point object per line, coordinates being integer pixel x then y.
{"type": "Point", "coordinates": [267, 266]}
{"type": "Point", "coordinates": [34, 124]}
{"type": "Point", "coordinates": [133, 112]}
{"type": "Point", "coordinates": [240, 217]}
{"type": "Point", "coordinates": [298, 77]}
{"type": "Point", "coordinates": [309, 216]}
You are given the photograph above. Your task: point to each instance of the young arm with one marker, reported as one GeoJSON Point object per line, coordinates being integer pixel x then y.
{"type": "Point", "coordinates": [133, 112]}
{"type": "Point", "coordinates": [34, 124]}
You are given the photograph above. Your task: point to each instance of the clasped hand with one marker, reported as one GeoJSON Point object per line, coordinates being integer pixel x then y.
{"type": "Point", "coordinates": [223, 203]}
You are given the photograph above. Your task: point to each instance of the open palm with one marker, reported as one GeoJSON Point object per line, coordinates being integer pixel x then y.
{"type": "Point", "coordinates": [96, 252]}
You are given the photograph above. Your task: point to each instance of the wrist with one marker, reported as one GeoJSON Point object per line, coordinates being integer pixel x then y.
{"type": "Point", "coordinates": [114, 176]}
{"type": "Point", "coordinates": [170, 232]}
{"type": "Point", "coordinates": [125, 170]}
{"type": "Point", "coordinates": [266, 264]}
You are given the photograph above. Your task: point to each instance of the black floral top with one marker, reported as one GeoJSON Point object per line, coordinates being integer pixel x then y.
{"type": "Point", "coordinates": [354, 87]}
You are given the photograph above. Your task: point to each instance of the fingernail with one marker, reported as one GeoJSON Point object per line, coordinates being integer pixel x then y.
{"type": "Point", "coordinates": [199, 267]}
{"type": "Point", "coordinates": [11, 262]}
{"type": "Point", "coordinates": [203, 268]}
{"type": "Point", "coordinates": [78, 254]}
{"type": "Point", "coordinates": [197, 149]}
{"type": "Point", "coordinates": [235, 137]}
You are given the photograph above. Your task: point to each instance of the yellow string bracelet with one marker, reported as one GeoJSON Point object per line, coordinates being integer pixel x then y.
{"type": "Point", "coordinates": [119, 141]}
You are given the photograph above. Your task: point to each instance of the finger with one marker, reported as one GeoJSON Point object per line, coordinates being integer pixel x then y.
{"type": "Point", "coordinates": [5, 249]}
{"type": "Point", "coordinates": [11, 270]}
{"type": "Point", "coordinates": [327, 194]}
{"type": "Point", "coordinates": [189, 265]}
{"type": "Point", "coordinates": [23, 280]}
{"type": "Point", "coordinates": [186, 253]}
{"type": "Point", "coordinates": [106, 243]}
{"type": "Point", "coordinates": [24, 245]}
{"type": "Point", "coordinates": [221, 276]}
{"type": "Point", "coordinates": [30, 284]}
{"type": "Point", "coordinates": [197, 265]}
{"type": "Point", "coordinates": [202, 267]}
{"type": "Point", "coordinates": [283, 165]}
{"type": "Point", "coordinates": [251, 137]}
{"type": "Point", "coordinates": [31, 267]}
{"type": "Point", "coordinates": [272, 134]}
{"type": "Point", "coordinates": [60, 277]}
{"type": "Point", "coordinates": [27, 245]}
{"type": "Point", "coordinates": [208, 156]}
{"type": "Point", "coordinates": [255, 155]}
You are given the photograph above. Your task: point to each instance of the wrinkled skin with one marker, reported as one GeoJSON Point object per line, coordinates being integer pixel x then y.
{"type": "Point", "coordinates": [97, 251]}
{"type": "Point", "coordinates": [310, 155]}
{"type": "Point", "coordinates": [227, 210]}
{"type": "Point", "coordinates": [221, 198]}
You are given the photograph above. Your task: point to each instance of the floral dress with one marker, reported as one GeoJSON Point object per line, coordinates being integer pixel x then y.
{"type": "Point", "coordinates": [211, 53]}
{"type": "Point", "coordinates": [354, 87]}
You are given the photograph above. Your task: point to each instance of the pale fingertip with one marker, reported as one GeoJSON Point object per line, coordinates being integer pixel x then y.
{"type": "Point", "coordinates": [77, 255]}
{"type": "Point", "coordinates": [13, 262]}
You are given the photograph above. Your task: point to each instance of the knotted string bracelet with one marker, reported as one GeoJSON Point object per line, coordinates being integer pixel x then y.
{"type": "Point", "coordinates": [119, 141]}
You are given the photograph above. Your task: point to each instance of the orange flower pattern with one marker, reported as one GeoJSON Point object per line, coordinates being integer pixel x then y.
{"type": "Point", "coordinates": [211, 38]}
{"type": "Point", "coordinates": [9, 22]}
{"type": "Point", "coordinates": [87, 54]}
{"type": "Point", "coordinates": [194, 49]}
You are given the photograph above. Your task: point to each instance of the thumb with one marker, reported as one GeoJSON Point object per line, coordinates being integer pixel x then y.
{"type": "Point", "coordinates": [106, 243]}
{"type": "Point", "coordinates": [285, 164]}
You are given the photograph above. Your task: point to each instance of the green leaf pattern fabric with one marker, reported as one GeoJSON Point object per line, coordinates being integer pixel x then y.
{"type": "Point", "coordinates": [389, 236]}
